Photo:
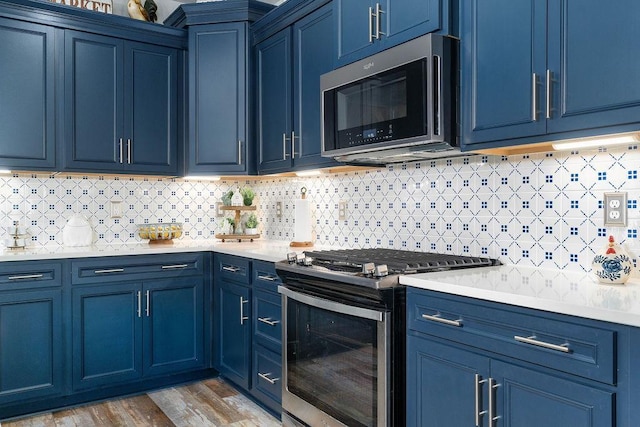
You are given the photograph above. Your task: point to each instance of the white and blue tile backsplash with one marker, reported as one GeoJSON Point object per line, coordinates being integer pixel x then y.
{"type": "Point", "coordinates": [541, 209]}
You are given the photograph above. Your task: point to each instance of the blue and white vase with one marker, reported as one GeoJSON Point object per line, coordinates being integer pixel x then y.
{"type": "Point", "coordinates": [613, 265]}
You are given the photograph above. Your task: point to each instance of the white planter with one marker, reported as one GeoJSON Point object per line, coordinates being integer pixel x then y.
{"type": "Point", "coordinates": [250, 231]}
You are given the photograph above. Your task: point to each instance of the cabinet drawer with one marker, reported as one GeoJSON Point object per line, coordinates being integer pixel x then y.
{"type": "Point", "coordinates": [114, 269]}
{"type": "Point", "coordinates": [267, 376]}
{"type": "Point", "coordinates": [573, 345]}
{"type": "Point", "coordinates": [29, 274]}
{"type": "Point", "coordinates": [233, 268]}
{"type": "Point", "coordinates": [265, 277]}
{"type": "Point", "coordinates": [267, 326]}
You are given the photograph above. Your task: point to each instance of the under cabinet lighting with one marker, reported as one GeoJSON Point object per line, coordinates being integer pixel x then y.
{"type": "Point", "coordinates": [605, 141]}
{"type": "Point", "coordinates": [308, 173]}
{"type": "Point", "coordinates": [201, 178]}
{"type": "Point", "coordinates": [5, 172]}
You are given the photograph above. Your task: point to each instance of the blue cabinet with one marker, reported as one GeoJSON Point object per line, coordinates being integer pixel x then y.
{"type": "Point", "coordinates": [364, 27]}
{"type": "Point", "coordinates": [289, 65]}
{"type": "Point", "coordinates": [218, 104]}
{"type": "Point", "coordinates": [126, 330]}
{"type": "Point", "coordinates": [31, 331]}
{"type": "Point", "coordinates": [468, 361]}
{"type": "Point", "coordinates": [529, 72]}
{"type": "Point", "coordinates": [28, 88]}
{"type": "Point", "coordinates": [120, 105]}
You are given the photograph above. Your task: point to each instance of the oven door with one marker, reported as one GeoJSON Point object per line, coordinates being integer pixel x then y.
{"type": "Point", "coordinates": [335, 361]}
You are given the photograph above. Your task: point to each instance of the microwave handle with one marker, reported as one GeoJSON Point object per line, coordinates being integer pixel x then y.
{"type": "Point", "coordinates": [437, 113]}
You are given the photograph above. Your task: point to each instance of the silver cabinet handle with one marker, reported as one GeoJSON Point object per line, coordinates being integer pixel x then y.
{"type": "Point", "coordinates": [284, 146]}
{"type": "Point", "coordinates": [129, 144]}
{"type": "Point", "coordinates": [534, 98]}
{"type": "Point", "coordinates": [242, 316]}
{"type": "Point", "coordinates": [293, 144]}
{"type": "Point", "coordinates": [139, 311]}
{"type": "Point", "coordinates": [121, 152]}
{"type": "Point", "coordinates": [533, 341]}
{"type": "Point", "coordinates": [268, 321]}
{"type": "Point", "coordinates": [26, 276]}
{"type": "Point", "coordinates": [268, 278]}
{"type": "Point", "coordinates": [266, 378]}
{"type": "Point", "coordinates": [230, 269]}
{"type": "Point", "coordinates": [147, 310]}
{"type": "Point", "coordinates": [239, 152]}
{"type": "Point", "coordinates": [549, 92]}
{"type": "Point", "coordinates": [171, 267]}
{"type": "Point", "coordinates": [439, 319]}
{"type": "Point", "coordinates": [109, 270]}
{"type": "Point", "coordinates": [379, 11]}
{"type": "Point", "coordinates": [478, 393]}
{"type": "Point", "coordinates": [370, 25]}
{"type": "Point", "coordinates": [492, 402]}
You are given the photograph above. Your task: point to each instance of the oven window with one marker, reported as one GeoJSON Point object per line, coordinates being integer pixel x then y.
{"type": "Point", "coordinates": [332, 362]}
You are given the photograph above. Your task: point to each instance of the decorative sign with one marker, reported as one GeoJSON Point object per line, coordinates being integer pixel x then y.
{"type": "Point", "coordinates": [104, 6]}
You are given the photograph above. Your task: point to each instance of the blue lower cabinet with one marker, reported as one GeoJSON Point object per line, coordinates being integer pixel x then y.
{"type": "Point", "coordinates": [107, 334]}
{"type": "Point", "coordinates": [31, 345]}
{"type": "Point", "coordinates": [267, 377]}
{"type": "Point", "coordinates": [232, 336]}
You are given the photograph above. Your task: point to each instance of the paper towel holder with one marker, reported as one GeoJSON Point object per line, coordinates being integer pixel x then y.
{"type": "Point", "coordinates": [305, 244]}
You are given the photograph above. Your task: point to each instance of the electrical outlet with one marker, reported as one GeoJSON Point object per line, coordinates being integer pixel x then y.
{"type": "Point", "coordinates": [615, 209]}
{"type": "Point", "coordinates": [278, 209]}
{"type": "Point", "coordinates": [342, 210]}
{"type": "Point", "coordinates": [116, 209]}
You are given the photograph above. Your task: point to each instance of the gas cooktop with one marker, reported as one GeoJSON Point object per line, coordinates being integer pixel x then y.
{"type": "Point", "coordinates": [376, 268]}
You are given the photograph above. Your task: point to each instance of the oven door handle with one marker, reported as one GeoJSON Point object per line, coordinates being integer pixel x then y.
{"type": "Point", "coordinates": [334, 306]}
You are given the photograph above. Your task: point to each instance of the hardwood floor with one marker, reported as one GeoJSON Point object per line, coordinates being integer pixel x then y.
{"type": "Point", "coordinates": [208, 403]}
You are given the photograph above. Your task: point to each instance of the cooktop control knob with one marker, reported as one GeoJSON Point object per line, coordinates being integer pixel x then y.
{"type": "Point", "coordinates": [300, 258]}
{"type": "Point", "coordinates": [307, 261]}
{"type": "Point", "coordinates": [368, 269]}
{"type": "Point", "coordinates": [381, 270]}
{"type": "Point", "coordinates": [292, 257]}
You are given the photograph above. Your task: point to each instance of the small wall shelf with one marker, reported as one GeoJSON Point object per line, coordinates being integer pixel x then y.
{"type": "Point", "coordinates": [233, 236]}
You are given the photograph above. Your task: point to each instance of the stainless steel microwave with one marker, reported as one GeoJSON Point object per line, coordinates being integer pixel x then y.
{"type": "Point", "coordinates": [397, 105]}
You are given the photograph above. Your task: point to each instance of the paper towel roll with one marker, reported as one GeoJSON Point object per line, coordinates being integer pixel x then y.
{"type": "Point", "coordinates": [302, 226]}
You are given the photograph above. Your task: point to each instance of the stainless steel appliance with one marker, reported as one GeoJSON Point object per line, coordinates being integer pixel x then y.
{"type": "Point", "coordinates": [397, 105]}
{"type": "Point", "coordinates": [343, 317]}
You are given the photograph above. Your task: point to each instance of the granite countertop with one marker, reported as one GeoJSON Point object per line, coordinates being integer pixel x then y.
{"type": "Point", "coordinates": [564, 292]}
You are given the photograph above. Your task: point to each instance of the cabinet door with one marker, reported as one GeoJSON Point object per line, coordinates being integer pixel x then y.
{"type": "Point", "coordinates": [27, 121]}
{"type": "Point", "coordinates": [107, 334]}
{"type": "Point", "coordinates": [528, 398]}
{"type": "Point", "coordinates": [173, 325]}
{"type": "Point", "coordinates": [594, 75]}
{"type": "Point", "coordinates": [408, 19]}
{"type": "Point", "coordinates": [353, 27]}
{"type": "Point", "coordinates": [93, 102]}
{"type": "Point", "coordinates": [274, 66]}
{"type": "Point", "coordinates": [218, 99]}
{"type": "Point", "coordinates": [313, 56]}
{"type": "Point", "coordinates": [503, 47]}
{"type": "Point", "coordinates": [441, 384]}
{"type": "Point", "coordinates": [150, 109]}
{"type": "Point", "coordinates": [31, 364]}
{"type": "Point", "coordinates": [232, 334]}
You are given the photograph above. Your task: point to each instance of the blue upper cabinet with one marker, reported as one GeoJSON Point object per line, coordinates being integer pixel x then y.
{"type": "Point", "coordinates": [289, 65]}
{"type": "Point", "coordinates": [120, 105]}
{"type": "Point", "coordinates": [218, 135]}
{"type": "Point", "coordinates": [536, 70]}
{"type": "Point", "coordinates": [27, 121]}
{"type": "Point", "coordinates": [364, 27]}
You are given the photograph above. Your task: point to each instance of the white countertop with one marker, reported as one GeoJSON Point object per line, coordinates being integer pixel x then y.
{"type": "Point", "coordinates": [557, 291]}
{"type": "Point", "coordinates": [265, 250]}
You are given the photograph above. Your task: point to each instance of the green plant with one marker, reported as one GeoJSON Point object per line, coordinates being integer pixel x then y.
{"type": "Point", "coordinates": [232, 222]}
{"type": "Point", "coordinates": [226, 198]}
{"type": "Point", "coordinates": [247, 195]}
{"type": "Point", "coordinates": [252, 221]}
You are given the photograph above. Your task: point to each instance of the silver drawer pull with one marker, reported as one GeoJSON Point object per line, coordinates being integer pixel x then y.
{"type": "Point", "coordinates": [110, 270]}
{"type": "Point", "coordinates": [27, 276]}
{"type": "Point", "coordinates": [533, 341]}
{"type": "Point", "coordinates": [268, 321]}
{"type": "Point", "coordinates": [266, 377]}
{"type": "Point", "coordinates": [170, 267]}
{"type": "Point", "coordinates": [230, 269]}
{"type": "Point", "coordinates": [269, 278]}
{"type": "Point", "coordinates": [437, 318]}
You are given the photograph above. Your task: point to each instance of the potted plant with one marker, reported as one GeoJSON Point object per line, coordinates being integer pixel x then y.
{"type": "Point", "coordinates": [247, 196]}
{"type": "Point", "coordinates": [251, 225]}
{"type": "Point", "coordinates": [226, 198]}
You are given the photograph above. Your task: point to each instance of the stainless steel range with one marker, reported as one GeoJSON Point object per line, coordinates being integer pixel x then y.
{"type": "Point", "coordinates": [343, 317]}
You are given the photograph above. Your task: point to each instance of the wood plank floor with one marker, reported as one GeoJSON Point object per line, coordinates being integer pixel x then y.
{"type": "Point", "coordinates": [208, 403]}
